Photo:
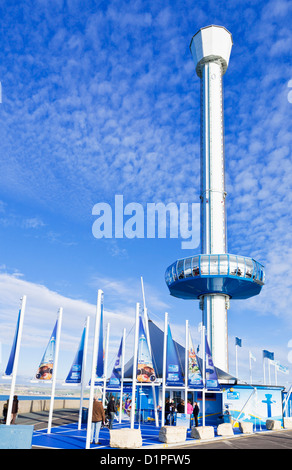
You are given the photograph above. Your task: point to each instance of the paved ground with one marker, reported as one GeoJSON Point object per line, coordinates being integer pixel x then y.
{"type": "Point", "coordinates": [264, 440]}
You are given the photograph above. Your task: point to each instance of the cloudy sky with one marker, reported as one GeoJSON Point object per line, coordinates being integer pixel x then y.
{"type": "Point", "coordinates": [102, 99]}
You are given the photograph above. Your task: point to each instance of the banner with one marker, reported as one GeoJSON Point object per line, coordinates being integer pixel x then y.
{"type": "Point", "coordinates": [268, 354]}
{"type": "Point", "coordinates": [212, 382]}
{"type": "Point", "coordinates": [99, 379]}
{"type": "Point", "coordinates": [195, 379]}
{"type": "Point", "coordinates": [74, 376]}
{"type": "Point", "coordinates": [10, 364]}
{"type": "Point", "coordinates": [145, 369]}
{"type": "Point", "coordinates": [45, 370]}
{"type": "Point", "coordinates": [115, 378]}
{"type": "Point", "coordinates": [173, 369]}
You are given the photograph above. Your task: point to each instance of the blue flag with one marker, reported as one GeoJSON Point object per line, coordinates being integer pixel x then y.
{"type": "Point", "coordinates": [238, 342]}
{"type": "Point", "coordinates": [10, 364]}
{"type": "Point", "coordinates": [115, 378]}
{"type": "Point", "coordinates": [75, 373]}
{"type": "Point", "coordinates": [268, 354]}
{"type": "Point", "coordinates": [173, 369]}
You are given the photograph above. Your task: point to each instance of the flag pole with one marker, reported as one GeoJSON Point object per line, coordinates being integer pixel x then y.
{"type": "Point", "coordinates": [122, 375]}
{"type": "Point", "coordinates": [105, 363]}
{"type": "Point", "coordinates": [83, 371]}
{"type": "Point", "coordinates": [93, 366]}
{"type": "Point", "coordinates": [236, 364]}
{"type": "Point", "coordinates": [16, 357]}
{"type": "Point", "coordinates": [250, 373]}
{"type": "Point", "coordinates": [164, 368]}
{"type": "Point", "coordinates": [149, 346]}
{"type": "Point", "coordinates": [134, 379]}
{"type": "Point", "coordinates": [55, 365]}
{"type": "Point", "coordinates": [204, 370]}
{"type": "Point", "coordinates": [186, 364]}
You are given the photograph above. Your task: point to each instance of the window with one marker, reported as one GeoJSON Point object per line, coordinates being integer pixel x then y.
{"type": "Point", "coordinates": [204, 264]}
{"type": "Point", "coordinates": [248, 268]}
{"type": "Point", "coordinates": [223, 265]}
{"type": "Point", "coordinates": [232, 265]}
{"type": "Point", "coordinates": [214, 264]}
{"type": "Point", "coordinates": [180, 269]}
{"type": "Point", "coordinates": [188, 267]}
{"type": "Point", "coordinates": [196, 266]}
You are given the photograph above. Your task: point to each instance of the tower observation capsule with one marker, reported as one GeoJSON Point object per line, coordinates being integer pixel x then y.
{"type": "Point", "coordinates": [214, 276]}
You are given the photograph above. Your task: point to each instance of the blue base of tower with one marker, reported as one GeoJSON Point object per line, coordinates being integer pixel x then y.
{"type": "Point", "coordinates": [236, 276]}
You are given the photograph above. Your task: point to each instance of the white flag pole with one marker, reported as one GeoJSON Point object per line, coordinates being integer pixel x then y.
{"type": "Point", "coordinates": [134, 379]}
{"type": "Point", "coordinates": [83, 371]}
{"type": "Point", "coordinates": [122, 375]}
{"type": "Point", "coordinates": [55, 366]}
{"type": "Point", "coordinates": [236, 364]}
{"type": "Point", "coordinates": [149, 346]}
{"type": "Point", "coordinates": [250, 373]}
{"type": "Point", "coordinates": [93, 366]}
{"type": "Point", "coordinates": [269, 369]}
{"type": "Point", "coordinates": [164, 368]}
{"type": "Point", "coordinates": [186, 365]}
{"type": "Point", "coordinates": [15, 363]}
{"type": "Point", "coordinates": [264, 370]}
{"type": "Point", "coordinates": [105, 363]}
{"type": "Point", "coordinates": [204, 370]}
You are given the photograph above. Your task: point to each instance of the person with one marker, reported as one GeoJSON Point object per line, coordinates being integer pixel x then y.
{"type": "Point", "coordinates": [181, 407]}
{"type": "Point", "coordinates": [14, 409]}
{"type": "Point", "coordinates": [128, 407]}
{"type": "Point", "coordinates": [189, 408]}
{"type": "Point", "coordinates": [196, 410]}
{"type": "Point", "coordinates": [5, 409]}
{"type": "Point", "coordinates": [98, 417]}
{"type": "Point", "coordinates": [111, 410]}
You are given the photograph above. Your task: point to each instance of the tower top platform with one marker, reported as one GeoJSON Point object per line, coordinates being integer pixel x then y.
{"type": "Point", "coordinates": [211, 43]}
{"type": "Point", "coordinates": [238, 277]}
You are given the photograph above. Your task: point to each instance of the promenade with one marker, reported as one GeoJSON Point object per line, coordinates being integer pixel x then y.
{"type": "Point", "coordinates": [65, 436]}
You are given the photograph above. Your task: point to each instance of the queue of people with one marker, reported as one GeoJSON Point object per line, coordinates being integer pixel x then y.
{"type": "Point", "coordinates": [171, 409]}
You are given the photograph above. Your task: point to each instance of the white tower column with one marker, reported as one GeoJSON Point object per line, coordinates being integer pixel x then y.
{"type": "Point", "coordinates": [211, 48]}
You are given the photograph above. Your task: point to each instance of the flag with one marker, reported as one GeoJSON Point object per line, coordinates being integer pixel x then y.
{"type": "Point", "coordinates": [238, 342]}
{"type": "Point", "coordinates": [212, 382]}
{"type": "Point", "coordinates": [173, 370]}
{"type": "Point", "coordinates": [10, 364]}
{"type": "Point", "coordinates": [268, 354]}
{"type": "Point", "coordinates": [75, 373]}
{"type": "Point", "coordinates": [45, 370]}
{"type": "Point", "coordinates": [281, 368]}
{"type": "Point", "coordinates": [251, 356]}
{"type": "Point", "coordinates": [195, 379]}
{"type": "Point", "coordinates": [145, 369]}
{"type": "Point", "coordinates": [115, 378]}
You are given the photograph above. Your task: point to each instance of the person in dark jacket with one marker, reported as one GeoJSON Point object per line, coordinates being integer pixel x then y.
{"type": "Point", "coordinates": [14, 410]}
{"type": "Point", "coordinates": [111, 410]}
{"type": "Point", "coordinates": [98, 417]}
{"type": "Point", "coordinates": [196, 410]}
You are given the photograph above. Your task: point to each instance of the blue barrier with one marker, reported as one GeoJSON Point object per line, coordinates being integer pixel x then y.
{"type": "Point", "coordinates": [16, 436]}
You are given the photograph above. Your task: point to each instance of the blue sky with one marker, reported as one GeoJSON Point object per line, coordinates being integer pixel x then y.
{"type": "Point", "coordinates": [100, 99]}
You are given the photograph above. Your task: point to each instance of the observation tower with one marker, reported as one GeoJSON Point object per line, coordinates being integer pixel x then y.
{"type": "Point", "coordinates": [214, 276]}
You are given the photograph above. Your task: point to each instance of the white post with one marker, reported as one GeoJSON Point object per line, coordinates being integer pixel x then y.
{"type": "Point", "coordinates": [83, 372]}
{"type": "Point", "coordinates": [93, 366]}
{"type": "Point", "coordinates": [15, 364]}
{"type": "Point", "coordinates": [269, 369]}
{"type": "Point", "coordinates": [186, 365]}
{"type": "Point", "coordinates": [164, 368]}
{"type": "Point", "coordinates": [122, 375]}
{"type": "Point", "coordinates": [204, 369]}
{"type": "Point", "coordinates": [276, 381]}
{"type": "Point", "coordinates": [264, 370]}
{"type": "Point", "coordinates": [105, 363]}
{"type": "Point", "coordinates": [54, 378]}
{"type": "Point", "coordinates": [236, 364]}
{"type": "Point", "coordinates": [134, 379]}
{"type": "Point", "coordinates": [250, 374]}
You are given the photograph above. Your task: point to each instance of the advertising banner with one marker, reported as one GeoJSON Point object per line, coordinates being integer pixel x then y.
{"type": "Point", "coordinates": [212, 382]}
{"type": "Point", "coordinates": [115, 378]}
{"type": "Point", "coordinates": [74, 376]}
{"type": "Point", "coordinates": [10, 364]}
{"type": "Point", "coordinates": [195, 379]}
{"type": "Point", "coordinates": [174, 375]}
{"type": "Point", "coordinates": [145, 369]}
{"type": "Point", "coordinates": [45, 370]}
